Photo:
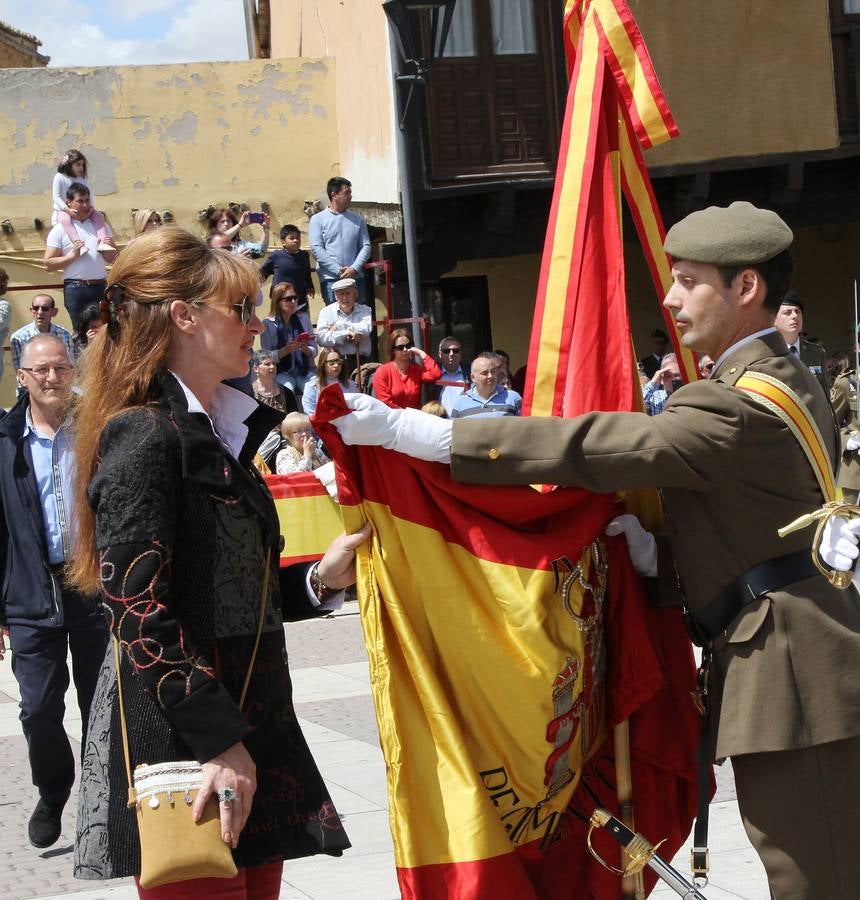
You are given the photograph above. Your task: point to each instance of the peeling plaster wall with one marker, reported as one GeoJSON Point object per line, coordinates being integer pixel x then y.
{"type": "Point", "coordinates": [355, 34]}
{"type": "Point", "coordinates": [170, 137]}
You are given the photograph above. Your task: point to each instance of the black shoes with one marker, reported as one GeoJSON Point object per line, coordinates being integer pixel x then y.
{"type": "Point", "coordinates": [45, 826]}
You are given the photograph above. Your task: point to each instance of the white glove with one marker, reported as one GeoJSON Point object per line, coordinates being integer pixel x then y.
{"type": "Point", "coordinates": [838, 548]}
{"type": "Point", "coordinates": [853, 442]}
{"type": "Point", "coordinates": [326, 477]}
{"type": "Point", "coordinates": [640, 543]}
{"type": "Point", "coordinates": [408, 431]}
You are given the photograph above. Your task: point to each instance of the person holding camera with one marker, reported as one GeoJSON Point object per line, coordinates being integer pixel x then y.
{"type": "Point", "coordinates": [223, 221]}
{"type": "Point", "coordinates": [665, 380]}
{"type": "Point", "coordinates": [398, 383]}
{"type": "Point", "coordinates": [288, 338]}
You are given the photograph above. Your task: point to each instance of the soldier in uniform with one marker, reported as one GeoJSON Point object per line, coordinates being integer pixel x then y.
{"type": "Point", "coordinates": [789, 323]}
{"type": "Point", "coordinates": [843, 397]}
{"type": "Point", "coordinates": [785, 687]}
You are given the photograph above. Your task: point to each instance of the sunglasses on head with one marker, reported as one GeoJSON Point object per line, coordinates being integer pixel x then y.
{"type": "Point", "coordinates": [246, 309]}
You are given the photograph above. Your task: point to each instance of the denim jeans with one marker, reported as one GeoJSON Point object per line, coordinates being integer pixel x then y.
{"type": "Point", "coordinates": [39, 664]}
{"type": "Point", "coordinates": [77, 296]}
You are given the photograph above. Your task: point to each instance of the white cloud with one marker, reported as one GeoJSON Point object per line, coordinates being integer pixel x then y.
{"type": "Point", "coordinates": [71, 33]}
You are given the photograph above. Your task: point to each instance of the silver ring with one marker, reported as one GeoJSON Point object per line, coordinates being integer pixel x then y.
{"type": "Point", "coordinates": [227, 795]}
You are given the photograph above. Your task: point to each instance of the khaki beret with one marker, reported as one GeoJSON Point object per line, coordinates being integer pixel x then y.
{"type": "Point", "coordinates": [729, 236]}
{"type": "Point", "coordinates": [343, 284]}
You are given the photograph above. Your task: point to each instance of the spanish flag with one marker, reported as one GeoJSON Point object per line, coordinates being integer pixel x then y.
{"type": "Point", "coordinates": [310, 520]}
{"type": "Point", "coordinates": [505, 638]}
{"type": "Point", "coordinates": [581, 356]}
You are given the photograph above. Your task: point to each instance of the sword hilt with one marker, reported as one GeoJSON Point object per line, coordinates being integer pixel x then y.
{"type": "Point", "coordinates": [639, 849]}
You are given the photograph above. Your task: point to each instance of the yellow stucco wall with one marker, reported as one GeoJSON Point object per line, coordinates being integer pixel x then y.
{"type": "Point", "coordinates": [177, 137]}
{"type": "Point", "coordinates": [742, 79]}
{"type": "Point", "coordinates": [356, 35]}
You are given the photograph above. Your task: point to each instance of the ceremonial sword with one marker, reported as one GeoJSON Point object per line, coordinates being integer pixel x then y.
{"type": "Point", "coordinates": [856, 362]}
{"type": "Point", "coordinates": [641, 854]}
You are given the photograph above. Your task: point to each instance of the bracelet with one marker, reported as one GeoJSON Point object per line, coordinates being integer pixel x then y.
{"type": "Point", "coordinates": [320, 588]}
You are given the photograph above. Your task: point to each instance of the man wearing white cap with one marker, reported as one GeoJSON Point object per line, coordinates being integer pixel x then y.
{"type": "Point", "coordinates": [345, 325]}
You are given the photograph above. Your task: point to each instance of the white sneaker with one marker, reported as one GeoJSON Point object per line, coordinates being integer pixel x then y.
{"type": "Point", "coordinates": [105, 248]}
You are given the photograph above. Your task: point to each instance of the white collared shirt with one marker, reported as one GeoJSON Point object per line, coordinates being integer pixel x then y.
{"type": "Point", "coordinates": [230, 408]}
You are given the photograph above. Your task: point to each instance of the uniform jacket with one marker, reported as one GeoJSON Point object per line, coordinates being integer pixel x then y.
{"type": "Point", "coordinates": [183, 530]}
{"type": "Point", "coordinates": [843, 396]}
{"type": "Point", "coordinates": [815, 357]}
{"type": "Point", "coordinates": [731, 474]}
{"type": "Point", "coordinates": [31, 593]}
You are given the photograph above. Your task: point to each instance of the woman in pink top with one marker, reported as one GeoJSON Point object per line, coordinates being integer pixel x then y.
{"type": "Point", "coordinates": [398, 383]}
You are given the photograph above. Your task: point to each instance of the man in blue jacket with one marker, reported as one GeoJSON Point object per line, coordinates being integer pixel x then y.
{"type": "Point", "coordinates": [42, 615]}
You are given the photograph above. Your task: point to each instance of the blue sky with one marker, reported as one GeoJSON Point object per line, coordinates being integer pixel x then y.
{"type": "Point", "coordinates": [89, 33]}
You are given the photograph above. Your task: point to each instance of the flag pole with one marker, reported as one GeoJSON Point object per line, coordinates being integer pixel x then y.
{"type": "Point", "coordinates": [632, 886]}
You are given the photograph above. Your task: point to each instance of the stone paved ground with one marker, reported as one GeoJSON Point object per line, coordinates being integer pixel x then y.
{"type": "Point", "coordinates": [333, 701]}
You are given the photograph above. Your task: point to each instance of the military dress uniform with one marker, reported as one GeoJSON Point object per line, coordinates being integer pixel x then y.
{"type": "Point", "coordinates": [785, 684]}
{"type": "Point", "coordinates": [814, 356]}
{"type": "Point", "coordinates": [843, 396]}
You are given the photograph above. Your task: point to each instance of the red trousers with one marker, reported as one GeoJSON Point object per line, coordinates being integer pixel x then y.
{"type": "Point", "coordinates": [255, 883]}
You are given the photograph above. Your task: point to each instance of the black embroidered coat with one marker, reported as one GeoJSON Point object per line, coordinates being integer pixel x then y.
{"type": "Point", "coordinates": [183, 529]}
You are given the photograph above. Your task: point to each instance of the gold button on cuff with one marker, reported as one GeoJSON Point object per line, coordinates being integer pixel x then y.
{"type": "Point", "coordinates": [494, 453]}
{"type": "Point", "coordinates": [733, 370]}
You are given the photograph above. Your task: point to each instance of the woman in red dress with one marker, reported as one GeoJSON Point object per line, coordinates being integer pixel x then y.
{"type": "Point", "coordinates": [398, 383]}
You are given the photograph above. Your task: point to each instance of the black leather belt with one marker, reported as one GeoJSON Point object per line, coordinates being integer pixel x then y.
{"type": "Point", "coordinates": [705, 625]}
{"type": "Point", "coordinates": [89, 281]}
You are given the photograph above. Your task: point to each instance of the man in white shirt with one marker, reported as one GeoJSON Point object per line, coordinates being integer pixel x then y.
{"type": "Point", "coordinates": [82, 262]}
{"type": "Point", "coordinates": [345, 325]}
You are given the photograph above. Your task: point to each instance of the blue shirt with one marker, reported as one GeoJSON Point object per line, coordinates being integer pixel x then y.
{"type": "Point", "coordinates": [655, 398]}
{"type": "Point", "coordinates": [448, 394]}
{"type": "Point", "coordinates": [338, 240]}
{"type": "Point", "coordinates": [54, 470]}
{"type": "Point", "coordinates": [503, 402]}
{"type": "Point", "coordinates": [293, 267]}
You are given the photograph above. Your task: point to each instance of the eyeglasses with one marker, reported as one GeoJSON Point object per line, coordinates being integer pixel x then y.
{"type": "Point", "coordinates": [447, 350]}
{"type": "Point", "coordinates": [41, 308]}
{"type": "Point", "coordinates": [403, 346]}
{"type": "Point", "coordinates": [246, 309]}
{"type": "Point", "coordinates": [334, 363]}
{"type": "Point", "coordinates": [40, 373]}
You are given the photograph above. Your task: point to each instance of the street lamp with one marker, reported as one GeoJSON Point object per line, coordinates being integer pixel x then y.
{"type": "Point", "coordinates": [407, 22]}
{"type": "Point", "coordinates": [406, 19]}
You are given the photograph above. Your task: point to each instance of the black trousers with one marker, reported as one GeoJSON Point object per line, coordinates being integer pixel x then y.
{"type": "Point", "coordinates": [39, 655]}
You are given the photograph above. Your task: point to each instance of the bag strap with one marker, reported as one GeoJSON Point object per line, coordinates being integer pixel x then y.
{"type": "Point", "coordinates": [132, 793]}
{"type": "Point", "coordinates": [780, 399]}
